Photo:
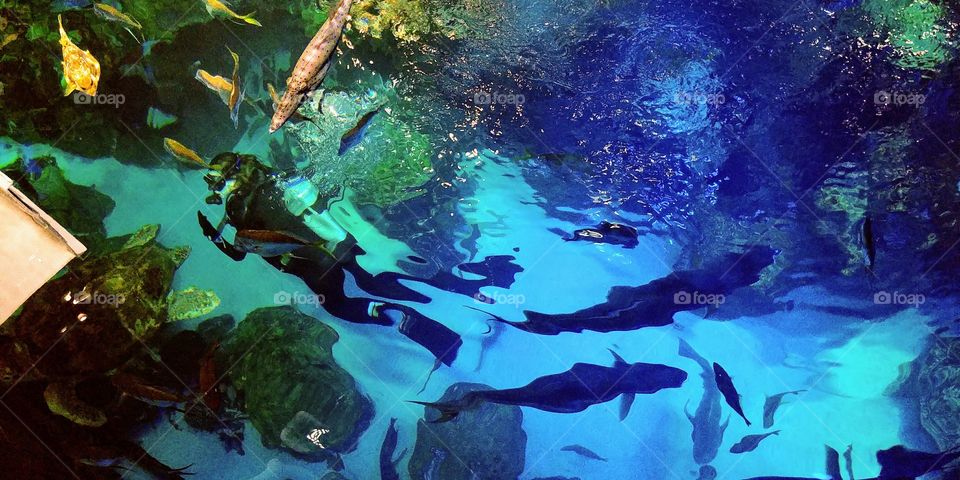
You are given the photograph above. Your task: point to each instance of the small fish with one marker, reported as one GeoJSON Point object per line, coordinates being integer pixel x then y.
{"type": "Point", "coordinates": [270, 243]}
{"type": "Point", "coordinates": [81, 70]}
{"type": "Point", "coordinates": [867, 243]}
{"type": "Point", "coordinates": [833, 463]}
{"type": "Point", "coordinates": [158, 119]}
{"type": "Point", "coordinates": [583, 452]}
{"type": "Point", "coordinates": [221, 86]}
{"type": "Point", "coordinates": [236, 94]}
{"type": "Point", "coordinates": [355, 135]}
{"type": "Point", "coordinates": [750, 443]}
{"type": "Point", "coordinates": [725, 384]}
{"type": "Point", "coordinates": [772, 403]}
{"type": "Point", "coordinates": [216, 6]}
{"type": "Point", "coordinates": [184, 154]}
{"type": "Point", "coordinates": [848, 460]}
{"type": "Point", "coordinates": [110, 13]}
{"type": "Point", "coordinates": [313, 64]}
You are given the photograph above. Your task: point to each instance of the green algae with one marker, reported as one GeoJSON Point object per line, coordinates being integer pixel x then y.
{"type": "Point", "coordinates": [921, 37]}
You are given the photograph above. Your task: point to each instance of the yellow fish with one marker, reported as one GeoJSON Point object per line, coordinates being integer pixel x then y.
{"type": "Point", "coordinates": [106, 11]}
{"type": "Point", "coordinates": [236, 96]}
{"type": "Point", "coordinates": [184, 154]}
{"type": "Point", "coordinates": [7, 39]}
{"type": "Point", "coordinates": [214, 6]}
{"type": "Point", "coordinates": [81, 70]}
{"type": "Point", "coordinates": [221, 86]}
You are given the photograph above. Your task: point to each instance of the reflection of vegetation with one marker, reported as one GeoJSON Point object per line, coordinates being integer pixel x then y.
{"type": "Point", "coordinates": [844, 193]}
{"type": "Point", "coordinates": [411, 20]}
{"type": "Point", "coordinates": [917, 31]}
{"type": "Point", "coordinates": [390, 163]}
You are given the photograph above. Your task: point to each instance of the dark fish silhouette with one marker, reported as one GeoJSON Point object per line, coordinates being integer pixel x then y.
{"type": "Point", "coordinates": [707, 432]}
{"type": "Point", "coordinates": [833, 463]}
{"type": "Point", "coordinates": [583, 452]}
{"type": "Point", "coordinates": [848, 460]}
{"type": "Point", "coordinates": [388, 465]}
{"type": "Point", "coordinates": [355, 135]}
{"type": "Point", "coordinates": [898, 462]}
{"type": "Point", "coordinates": [725, 384]}
{"type": "Point", "coordinates": [574, 390]}
{"type": "Point", "coordinates": [654, 304]}
{"type": "Point", "coordinates": [771, 404]}
{"type": "Point", "coordinates": [867, 243]}
{"type": "Point", "coordinates": [750, 443]}
{"type": "Point", "coordinates": [607, 232]}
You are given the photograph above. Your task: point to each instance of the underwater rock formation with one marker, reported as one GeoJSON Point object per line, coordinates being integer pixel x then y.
{"type": "Point", "coordinates": [90, 322]}
{"type": "Point", "coordinates": [296, 395]}
{"type": "Point", "coordinates": [937, 385]}
{"type": "Point", "coordinates": [487, 442]}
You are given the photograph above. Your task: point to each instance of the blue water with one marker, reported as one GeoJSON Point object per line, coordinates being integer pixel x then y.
{"type": "Point", "coordinates": [708, 128]}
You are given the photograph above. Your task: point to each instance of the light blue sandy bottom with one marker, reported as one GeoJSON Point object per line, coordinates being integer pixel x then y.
{"type": "Point", "coordinates": [846, 369]}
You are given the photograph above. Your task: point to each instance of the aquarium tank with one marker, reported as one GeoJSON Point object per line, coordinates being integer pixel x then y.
{"type": "Point", "coordinates": [480, 239]}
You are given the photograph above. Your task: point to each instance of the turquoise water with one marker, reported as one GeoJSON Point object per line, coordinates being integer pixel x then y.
{"type": "Point", "coordinates": [780, 179]}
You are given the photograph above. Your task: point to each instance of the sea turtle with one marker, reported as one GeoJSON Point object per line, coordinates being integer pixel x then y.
{"type": "Point", "coordinates": [92, 320]}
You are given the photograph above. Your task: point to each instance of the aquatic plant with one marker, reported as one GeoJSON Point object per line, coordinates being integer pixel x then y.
{"type": "Point", "coordinates": [918, 31]}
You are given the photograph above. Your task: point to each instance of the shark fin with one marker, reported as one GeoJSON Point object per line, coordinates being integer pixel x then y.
{"type": "Point", "coordinates": [626, 401]}
{"type": "Point", "coordinates": [617, 359]}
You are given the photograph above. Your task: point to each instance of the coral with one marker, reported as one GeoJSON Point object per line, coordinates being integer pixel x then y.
{"type": "Point", "coordinates": [285, 369]}
{"type": "Point", "coordinates": [191, 303]}
{"type": "Point", "coordinates": [483, 443]}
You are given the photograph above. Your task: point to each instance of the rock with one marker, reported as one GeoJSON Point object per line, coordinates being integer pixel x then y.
{"type": "Point", "coordinates": [292, 386]}
{"type": "Point", "coordinates": [489, 440]}
{"type": "Point", "coordinates": [190, 303]}
{"type": "Point", "coordinates": [62, 400]}
{"type": "Point", "coordinates": [214, 329]}
{"type": "Point", "coordinates": [937, 386]}
{"type": "Point", "coordinates": [110, 304]}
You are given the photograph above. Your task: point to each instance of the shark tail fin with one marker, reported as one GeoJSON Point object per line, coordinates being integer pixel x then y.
{"type": "Point", "coordinates": [447, 411]}
{"type": "Point", "coordinates": [685, 350]}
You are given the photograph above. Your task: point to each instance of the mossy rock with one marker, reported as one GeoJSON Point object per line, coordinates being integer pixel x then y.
{"type": "Point", "coordinates": [285, 368]}
{"type": "Point", "coordinates": [191, 302]}
{"type": "Point", "coordinates": [938, 388]}
{"type": "Point", "coordinates": [483, 443]}
{"type": "Point", "coordinates": [110, 304]}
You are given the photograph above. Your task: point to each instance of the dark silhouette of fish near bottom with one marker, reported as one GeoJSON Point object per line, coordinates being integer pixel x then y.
{"type": "Point", "coordinates": [730, 394]}
{"type": "Point", "coordinates": [574, 390]}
